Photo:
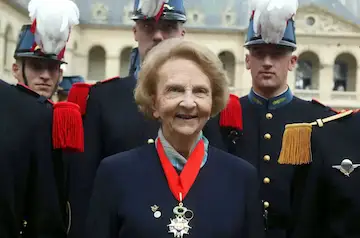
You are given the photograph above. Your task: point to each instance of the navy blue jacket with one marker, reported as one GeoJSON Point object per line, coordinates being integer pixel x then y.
{"type": "Point", "coordinates": [224, 198]}
{"type": "Point", "coordinates": [112, 124]}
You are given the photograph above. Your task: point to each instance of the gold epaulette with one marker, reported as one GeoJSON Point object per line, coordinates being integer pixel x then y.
{"type": "Point", "coordinates": [296, 142]}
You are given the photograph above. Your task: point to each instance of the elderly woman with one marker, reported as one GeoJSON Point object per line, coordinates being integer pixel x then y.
{"type": "Point", "coordinates": [179, 186]}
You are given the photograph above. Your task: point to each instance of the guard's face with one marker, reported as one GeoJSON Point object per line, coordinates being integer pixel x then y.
{"type": "Point", "coordinates": [183, 100]}
{"type": "Point", "coordinates": [149, 33]}
{"type": "Point", "coordinates": [269, 66]}
{"type": "Point", "coordinates": [42, 75]}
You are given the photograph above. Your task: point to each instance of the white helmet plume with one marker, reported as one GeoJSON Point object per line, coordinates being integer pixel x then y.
{"type": "Point", "coordinates": [52, 22]}
{"type": "Point", "coordinates": [152, 8]}
{"type": "Point", "coordinates": [271, 17]}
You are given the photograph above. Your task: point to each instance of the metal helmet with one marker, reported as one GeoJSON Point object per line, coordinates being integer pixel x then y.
{"type": "Point", "coordinates": [173, 10]}
{"type": "Point", "coordinates": [288, 40]}
{"type": "Point", "coordinates": [26, 47]}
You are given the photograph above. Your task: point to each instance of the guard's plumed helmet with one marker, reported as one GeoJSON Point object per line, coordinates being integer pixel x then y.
{"type": "Point", "coordinates": [159, 9]}
{"type": "Point", "coordinates": [49, 32]}
{"type": "Point", "coordinates": [272, 22]}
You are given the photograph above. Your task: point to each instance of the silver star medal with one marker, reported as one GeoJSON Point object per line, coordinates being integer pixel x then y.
{"type": "Point", "coordinates": [179, 226]}
{"type": "Point", "coordinates": [346, 167]}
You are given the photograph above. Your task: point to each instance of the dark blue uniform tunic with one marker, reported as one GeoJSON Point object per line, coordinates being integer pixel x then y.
{"type": "Point", "coordinates": [224, 198]}
{"type": "Point", "coordinates": [331, 206]}
{"type": "Point", "coordinates": [30, 180]}
{"type": "Point", "coordinates": [260, 143]}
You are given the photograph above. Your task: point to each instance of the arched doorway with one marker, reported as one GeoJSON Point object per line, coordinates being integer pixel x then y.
{"type": "Point", "coordinates": [97, 64]}
{"type": "Point", "coordinates": [228, 60]}
{"type": "Point", "coordinates": [307, 71]}
{"type": "Point", "coordinates": [345, 67]}
{"type": "Point", "coordinates": [125, 61]}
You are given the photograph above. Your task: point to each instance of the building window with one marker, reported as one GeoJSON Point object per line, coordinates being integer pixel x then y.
{"type": "Point", "coordinates": [100, 12]}
{"type": "Point", "coordinates": [310, 21]}
{"type": "Point", "coordinates": [340, 76]}
{"type": "Point", "coordinates": [195, 17]}
{"type": "Point", "coordinates": [303, 74]}
{"type": "Point", "coordinates": [228, 19]}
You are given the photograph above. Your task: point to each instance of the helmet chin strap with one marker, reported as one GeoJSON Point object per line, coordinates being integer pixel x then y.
{"type": "Point", "coordinates": [23, 73]}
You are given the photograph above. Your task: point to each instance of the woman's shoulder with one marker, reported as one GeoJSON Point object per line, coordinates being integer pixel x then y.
{"type": "Point", "coordinates": [225, 159]}
{"type": "Point", "coordinates": [129, 159]}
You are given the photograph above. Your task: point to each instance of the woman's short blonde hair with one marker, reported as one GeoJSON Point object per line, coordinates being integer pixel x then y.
{"type": "Point", "coordinates": [175, 48]}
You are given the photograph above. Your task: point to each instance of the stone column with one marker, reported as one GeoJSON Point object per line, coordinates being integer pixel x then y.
{"type": "Point", "coordinates": [68, 57]}
{"type": "Point", "coordinates": [239, 69]}
{"type": "Point", "coordinates": [11, 45]}
{"type": "Point", "coordinates": [291, 79]}
{"type": "Point", "coordinates": [357, 83]}
{"type": "Point", "coordinates": [326, 81]}
{"type": "Point", "coordinates": [80, 66]}
{"type": "Point", "coordinates": [112, 67]}
{"type": "Point", "coordinates": [2, 54]}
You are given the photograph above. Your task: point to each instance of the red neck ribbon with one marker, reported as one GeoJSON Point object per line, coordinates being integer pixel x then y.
{"type": "Point", "coordinates": [181, 184]}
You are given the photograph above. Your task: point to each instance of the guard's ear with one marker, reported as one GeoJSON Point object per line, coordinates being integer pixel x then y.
{"type": "Point", "coordinates": [16, 72]}
{"type": "Point", "coordinates": [247, 61]}
{"type": "Point", "coordinates": [135, 32]}
{"type": "Point", "coordinates": [292, 62]}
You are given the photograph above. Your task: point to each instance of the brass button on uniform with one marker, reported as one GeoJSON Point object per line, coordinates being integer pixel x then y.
{"type": "Point", "coordinates": [269, 116]}
{"type": "Point", "coordinates": [150, 141]}
{"type": "Point", "coordinates": [266, 205]}
{"type": "Point", "coordinates": [267, 157]}
{"type": "Point", "coordinates": [267, 136]}
{"type": "Point", "coordinates": [266, 180]}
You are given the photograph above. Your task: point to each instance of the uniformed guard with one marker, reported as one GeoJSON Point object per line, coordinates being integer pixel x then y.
{"type": "Point", "coordinates": [252, 126]}
{"type": "Point", "coordinates": [36, 131]}
{"type": "Point", "coordinates": [326, 156]}
{"type": "Point", "coordinates": [65, 86]}
{"type": "Point", "coordinates": [30, 201]}
{"type": "Point", "coordinates": [39, 54]}
{"type": "Point", "coordinates": [112, 121]}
